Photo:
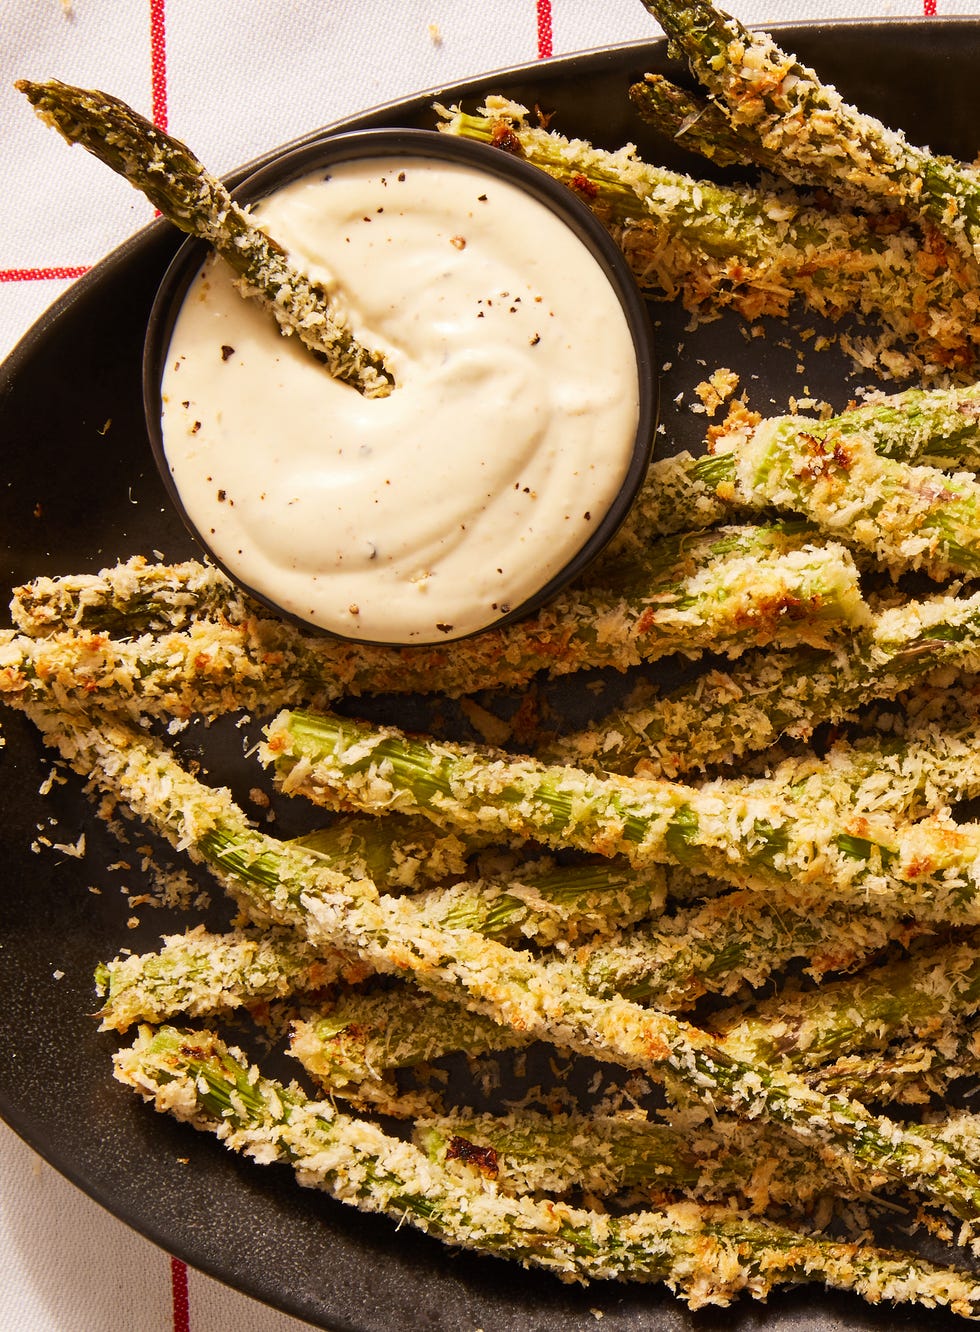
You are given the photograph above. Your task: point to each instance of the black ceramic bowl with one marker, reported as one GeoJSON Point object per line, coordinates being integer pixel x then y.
{"type": "Point", "coordinates": [331, 150]}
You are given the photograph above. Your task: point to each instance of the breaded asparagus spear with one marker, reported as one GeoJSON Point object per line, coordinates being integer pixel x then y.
{"type": "Point", "coordinates": [937, 427]}
{"type": "Point", "coordinates": [724, 715]}
{"type": "Point", "coordinates": [757, 250]}
{"type": "Point", "coordinates": [903, 999]}
{"type": "Point", "coordinates": [176, 183]}
{"type": "Point", "coordinates": [906, 517]}
{"type": "Point", "coordinates": [134, 597]}
{"type": "Point", "coordinates": [708, 1254]}
{"type": "Point", "coordinates": [398, 853]}
{"type": "Point", "coordinates": [735, 939]}
{"type": "Point", "coordinates": [607, 1153]}
{"type": "Point", "coordinates": [696, 122]}
{"type": "Point", "coordinates": [929, 870]}
{"type": "Point", "coordinates": [818, 137]}
{"type": "Point", "coordinates": [201, 974]}
{"type": "Point", "coordinates": [693, 593]}
{"type": "Point", "coordinates": [908, 1072]}
{"type": "Point", "coordinates": [353, 1048]}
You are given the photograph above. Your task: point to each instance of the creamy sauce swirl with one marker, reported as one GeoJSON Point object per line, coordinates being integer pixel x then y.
{"type": "Point", "coordinates": [431, 513]}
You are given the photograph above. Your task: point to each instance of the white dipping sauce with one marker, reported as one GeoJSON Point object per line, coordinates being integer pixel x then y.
{"type": "Point", "coordinates": [428, 514]}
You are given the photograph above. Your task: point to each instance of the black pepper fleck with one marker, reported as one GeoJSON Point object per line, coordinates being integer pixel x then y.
{"type": "Point", "coordinates": [226, 351]}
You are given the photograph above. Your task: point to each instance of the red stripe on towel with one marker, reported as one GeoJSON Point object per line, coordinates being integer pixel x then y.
{"type": "Point", "coordinates": [544, 29]}
{"type": "Point", "coordinates": [41, 274]}
{"type": "Point", "coordinates": [158, 62]}
{"type": "Point", "coordinates": [181, 1303]}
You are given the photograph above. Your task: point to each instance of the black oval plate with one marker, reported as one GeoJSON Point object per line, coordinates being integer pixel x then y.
{"type": "Point", "coordinates": [81, 491]}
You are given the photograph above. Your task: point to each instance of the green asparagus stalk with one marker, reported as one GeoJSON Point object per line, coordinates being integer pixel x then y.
{"type": "Point", "coordinates": [134, 597]}
{"type": "Point", "coordinates": [196, 202]}
{"type": "Point", "coordinates": [722, 716]}
{"type": "Point", "coordinates": [708, 1254]}
{"type": "Point", "coordinates": [696, 122]}
{"type": "Point", "coordinates": [353, 1048]}
{"type": "Point", "coordinates": [724, 590]}
{"type": "Point", "coordinates": [735, 939]}
{"type": "Point", "coordinates": [929, 870]}
{"type": "Point", "coordinates": [818, 138]}
{"type": "Point", "coordinates": [212, 668]}
{"type": "Point", "coordinates": [201, 974]}
{"type": "Point", "coordinates": [398, 853]}
{"type": "Point", "coordinates": [909, 1072]}
{"type": "Point", "coordinates": [755, 250]}
{"type": "Point", "coordinates": [908, 998]}
{"type": "Point", "coordinates": [937, 427]}
{"type": "Point", "coordinates": [540, 998]}
{"type": "Point", "coordinates": [606, 1154]}
{"type": "Point", "coordinates": [909, 763]}
{"type": "Point", "coordinates": [906, 517]}
{"type": "Point", "coordinates": [551, 904]}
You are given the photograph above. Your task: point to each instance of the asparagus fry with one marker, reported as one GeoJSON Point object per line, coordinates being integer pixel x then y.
{"type": "Point", "coordinates": [698, 123]}
{"type": "Point", "coordinates": [178, 185]}
{"type": "Point", "coordinates": [756, 251]}
{"type": "Point", "coordinates": [707, 1254]}
{"type": "Point", "coordinates": [818, 137]}
{"type": "Point", "coordinates": [201, 974]}
{"type": "Point", "coordinates": [905, 998]}
{"type": "Point", "coordinates": [134, 597]}
{"type": "Point", "coordinates": [724, 715]}
{"type": "Point", "coordinates": [929, 870]}
{"type": "Point", "coordinates": [906, 517]}
{"type": "Point", "coordinates": [740, 588]}
{"type": "Point", "coordinates": [909, 1072]}
{"type": "Point", "coordinates": [605, 1154]}
{"type": "Point", "coordinates": [352, 1049]}
{"type": "Point", "coordinates": [399, 853]}
{"type": "Point", "coordinates": [939, 427]}
{"type": "Point", "coordinates": [732, 940]}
